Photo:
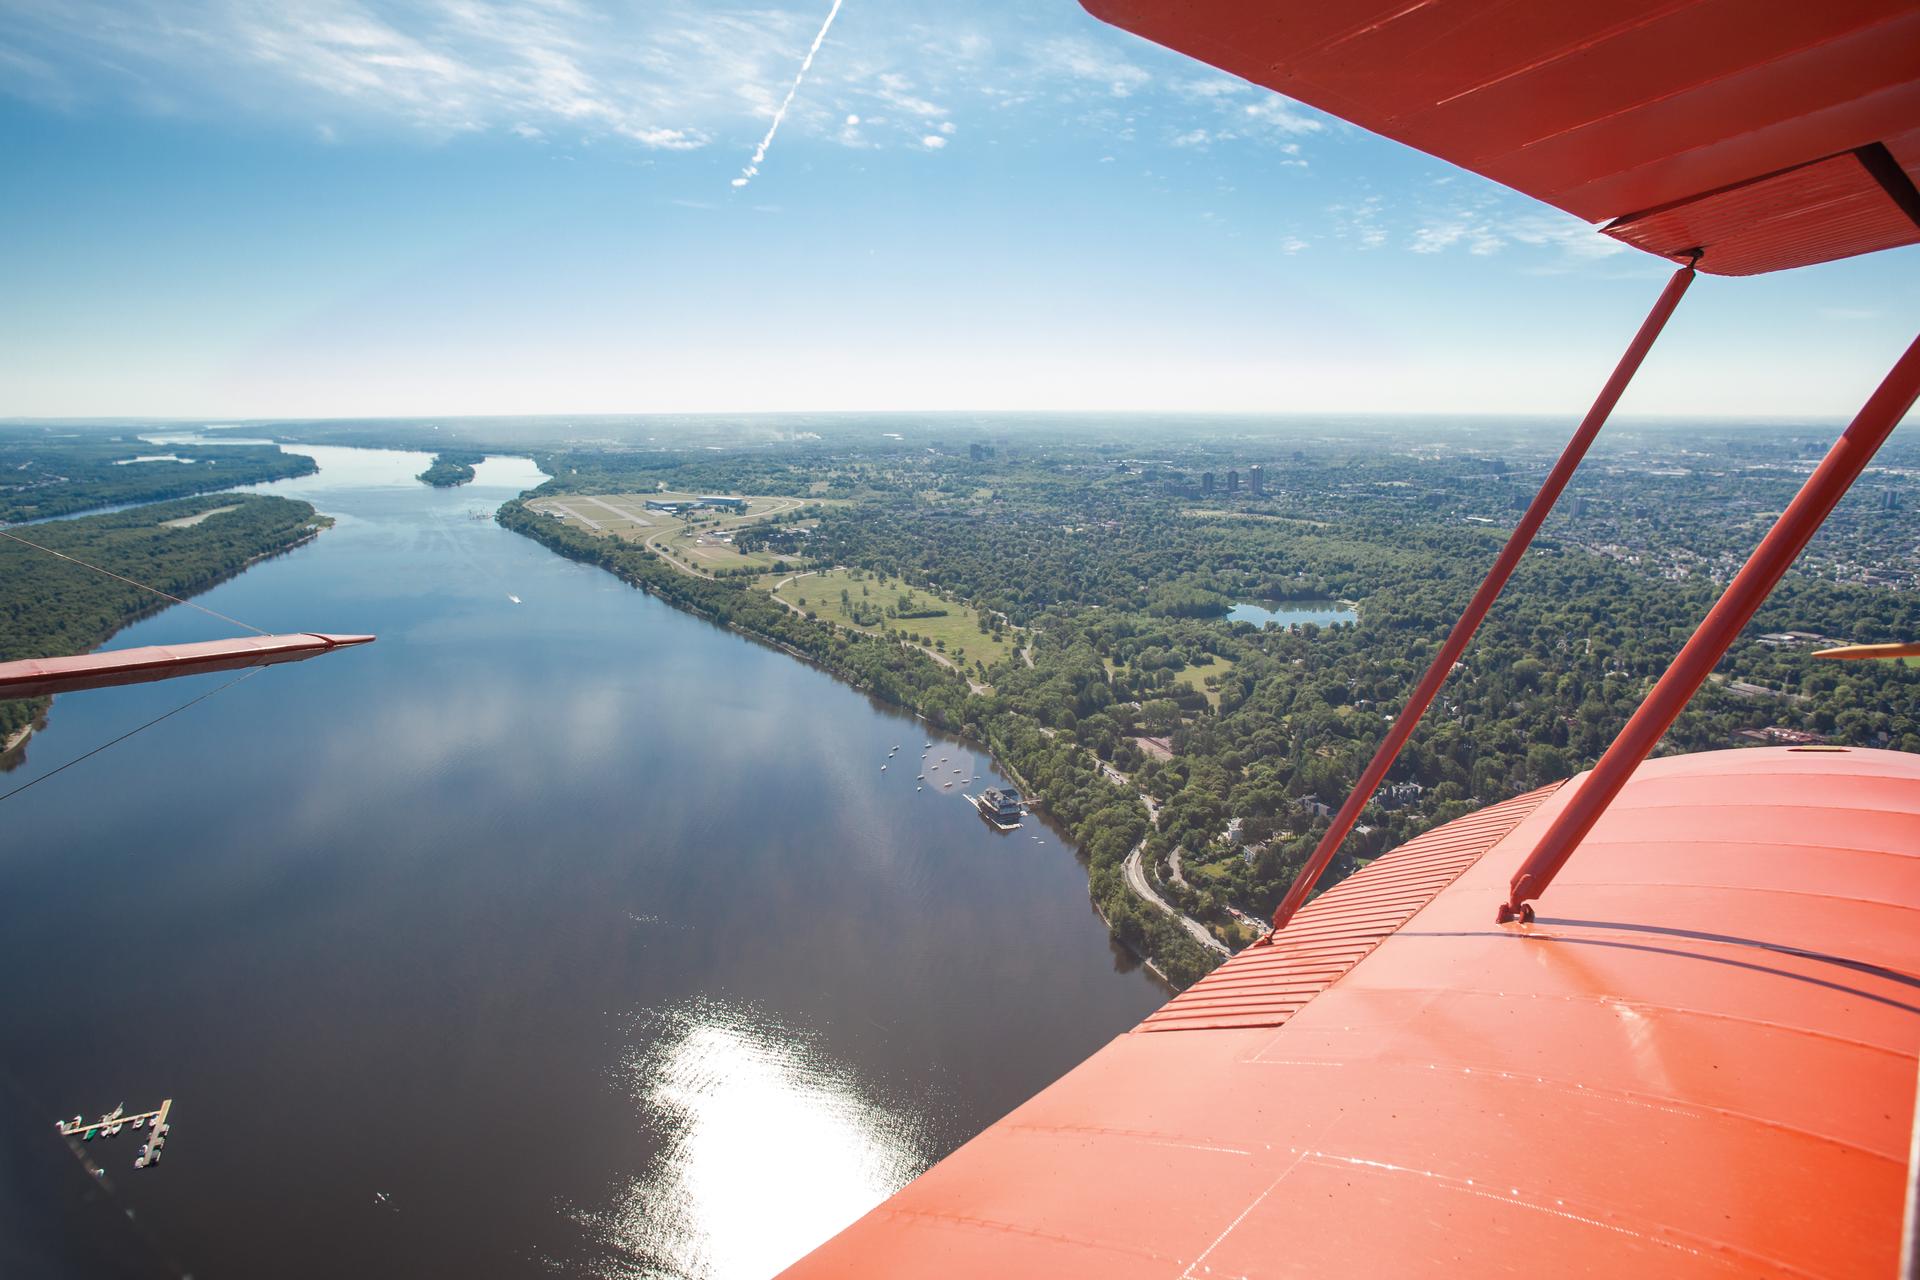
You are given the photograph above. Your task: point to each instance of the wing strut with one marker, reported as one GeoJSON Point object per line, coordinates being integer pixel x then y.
{"type": "Point", "coordinates": [1730, 613]}
{"type": "Point", "coordinates": [1854, 652]}
{"type": "Point", "coordinates": [1462, 633]}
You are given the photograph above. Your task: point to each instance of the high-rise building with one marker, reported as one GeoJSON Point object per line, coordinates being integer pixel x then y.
{"type": "Point", "coordinates": [1206, 482]}
{"type": "Point", "coordinates": [1233, 482]}
{"type": "Point", "coordinates": [1257, 479]}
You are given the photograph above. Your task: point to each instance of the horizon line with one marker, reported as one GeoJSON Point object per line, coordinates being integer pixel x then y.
{"type": "Point", "coordinates": [213, 420]}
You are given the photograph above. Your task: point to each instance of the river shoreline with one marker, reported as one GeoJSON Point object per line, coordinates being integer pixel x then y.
{"type": "Point", "coordinates": [13, 753]}
{"type": "Point", "coordinates": [984, 743]}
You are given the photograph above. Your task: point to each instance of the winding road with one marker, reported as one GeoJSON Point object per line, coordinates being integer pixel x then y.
{"type": "Point", "coordinates": [1137, 881]}
{"type": "Point", "coordinates": [1136, 873]}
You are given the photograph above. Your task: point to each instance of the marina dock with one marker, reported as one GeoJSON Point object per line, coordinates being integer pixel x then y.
{"type": "Point", "coordinates": [152, 1123]}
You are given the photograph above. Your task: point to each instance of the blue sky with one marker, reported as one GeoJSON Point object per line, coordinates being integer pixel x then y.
{"type": "Point", "coordinates": [238, 208]}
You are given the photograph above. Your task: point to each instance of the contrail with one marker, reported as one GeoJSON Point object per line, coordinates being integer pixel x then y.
{"type": "Point", "coordinates": [760, 152]}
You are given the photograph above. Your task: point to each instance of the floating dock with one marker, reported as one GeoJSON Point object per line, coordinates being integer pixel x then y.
{"type": "Point", "coordinates": [154, 1123]}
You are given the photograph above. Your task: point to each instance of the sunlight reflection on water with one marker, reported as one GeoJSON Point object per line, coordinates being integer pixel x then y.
{"type": "Point", "coordinates": [770, 1147]}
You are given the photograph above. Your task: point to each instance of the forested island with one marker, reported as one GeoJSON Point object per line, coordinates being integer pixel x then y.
{"type": "Point", "coordinates": [1107, 674]}
{"type": "Point", "coordinates": [51, 607]}
{"type": "Point", "coordinates": [451, 468]}
{"type": "Point", "coordinates": [45, 474]}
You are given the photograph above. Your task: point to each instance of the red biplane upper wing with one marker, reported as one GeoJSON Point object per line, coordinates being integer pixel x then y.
{"type": "Point", "coordinates": [1766, 133]}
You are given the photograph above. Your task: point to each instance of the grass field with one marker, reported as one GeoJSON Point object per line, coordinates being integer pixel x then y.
{"type": "Point", "coordinates": [701, 546]}
{"type": "Point", "coordinates": [1195, 677]}
{"type": "Point", "coordinates": [710, 550]}
{"type": "Point", "coordinates": [959, 631]}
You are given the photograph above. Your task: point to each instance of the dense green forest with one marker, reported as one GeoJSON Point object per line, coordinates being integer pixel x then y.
{"type": "Point", "coordinates": [1111, 574]}
{"type": "Point", "coordinates": [50, 607]}
{"type": "Point", "coordinates": [452, 467]}
{"type": "Point", "coordinates": [45, 475]}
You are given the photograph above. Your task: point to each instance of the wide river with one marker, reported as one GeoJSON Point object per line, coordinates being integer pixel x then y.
{"type": "Point", "coordinates": [573, 936]}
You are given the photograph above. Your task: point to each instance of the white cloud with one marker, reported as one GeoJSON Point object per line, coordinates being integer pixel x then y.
{"type": "Point", "coordinates": [1281, 115]}
{"type": "Point", "coordinates": [1359, 222]}
{"type": "Point", "coordinates": [933, 142]}
{"type": "Point", "coordinates": [1432, 239]}
{"type": "Point", "coordinates": [896, 91]}
{"type": "Point", "coordinates": [1211, 87]}
{"type": "Point", "coordinates": [444, 66]}
{"type": "Point", "coordinates": [1080, 59]}
{"type": "Point", "coordinates": [1568, 234]}
{"type": "Point", "coordinates": [667, 75]}
{"type": "Point", "coordinates": [34, 79]}
{"type": "Point", "coordinates": [1193, 138]}
{"type": "Point", "coordinates": [1481, 229]}
{"type": "Point", "coordinates": [1480, 238]}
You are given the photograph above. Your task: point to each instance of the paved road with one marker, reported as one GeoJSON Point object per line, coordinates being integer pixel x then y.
{"type": "Point", "coordinates": [1138, 882]}
{"type": "Point", "coordinates": [1136, 873]}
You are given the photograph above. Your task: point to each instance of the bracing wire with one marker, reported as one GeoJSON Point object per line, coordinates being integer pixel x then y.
{"type": "Point", "coordinates": [132, 583]}
{"type": "Point", "coordinates": [248, 674]}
